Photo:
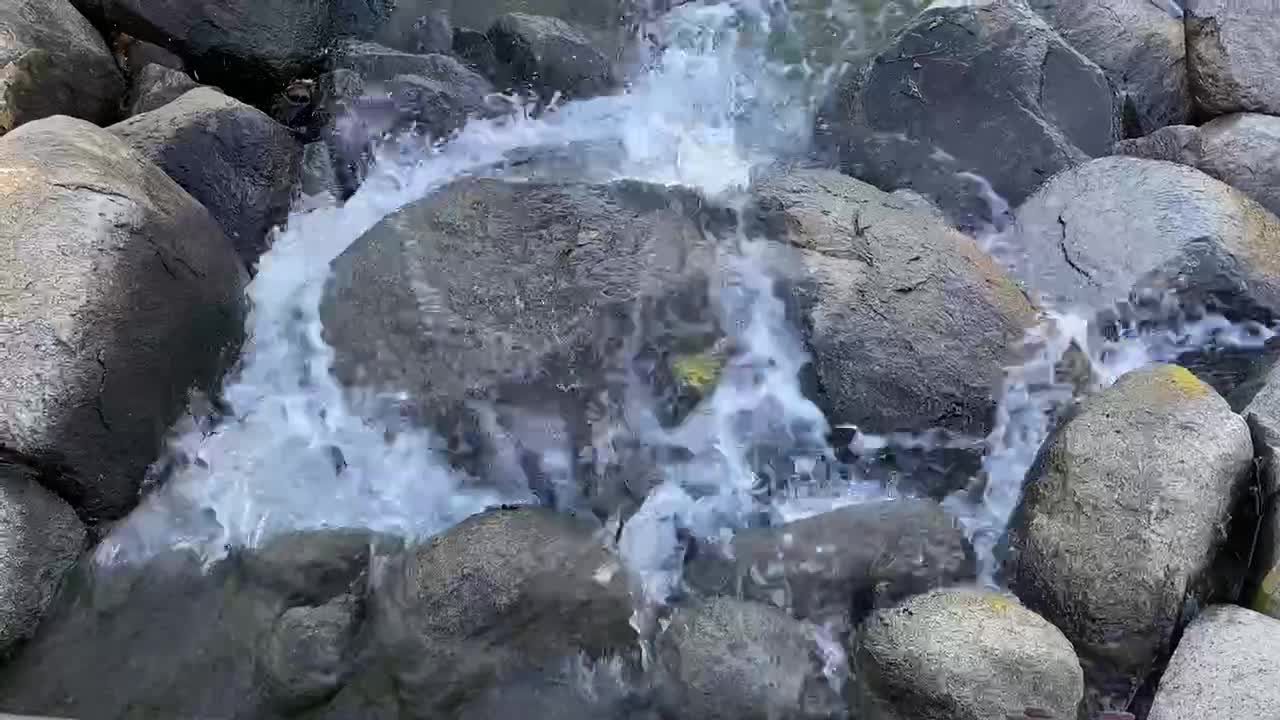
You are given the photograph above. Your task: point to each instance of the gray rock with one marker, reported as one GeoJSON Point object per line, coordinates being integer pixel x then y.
{"type": "Point", "coordinates": [40, 539]}
{"type": "Point", "coordinates": [413, 26]}
{"type": "Point", "coordinates": [314, 566]}
{"type": "Point", "coordinates": [548, 55]}
{"type": "Point", "coordinates": [317, 170]}
{"type": "Point", "coordinates": [506, 591]}
{"type": "Point", "coordinates": [156, 86]}
{"type": "Point", "coordinates": [1123, 519]}
{"type": "Point", "coordinates": [1263, 415]}
{"type": "Point", "coordinates": [1241, 150]}
{"type": "Point", "coordinates": [1142, 48]}
{"type": "Point", "coordinates": [728, 658]}
{"type": "Point", "coordinates": [862, 266]}
{"type": "Point", "coordinates": [134, 55]}
{"type": "Point", "coordinates": [121, 294]}
{"type": "Point", "coordinates": [53, 62]}
{"type": "Point", "coordinates": [989, 90]}
{"type": "Point", "coordinates": [1226, 665]}
{"type": "Point", "coordinates": [308, 653]}
{"type": "Point", "coordinates": [231, 157]}
{"type": "Point", "coordinates": [964, 655]}
{"type": "Point", "coordinates": [1171, 218]}
{"type": "Point", "coordinates": [1230, 58]}
{"type": "Point", "coordinates": [577, 691]}
{"type": "Point", "coordinates": [811, 569]}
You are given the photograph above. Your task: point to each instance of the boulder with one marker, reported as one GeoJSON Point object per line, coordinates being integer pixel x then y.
{"type": "Point", "coordinates": [731, 659]}
{"type": "Point", "coordinates": [861, 266]}
{"type": "Point", "coordinates": [317, 175]}
{"type": "Point", "coordinates": [1263, 415]}
{"type": "Point", "coordinates": [233, 158]}
{"type": "Point", "coordinates": [1241, 150]}
{"type": "Point", "coordinates": [1124, 516]}
{"type": "Point", "coordinates": [1140, 45]}
{"type": "Point", "coordinates": [548, 56]}
{"type": "Point", "coordinates": [1199, 234]}
{"type": "Point", "coordinates": [963, 654]}
{"type": "Point", "coordinates": [809, 568]}
{"type": "Point", "coordinates": [507, 591]}
{"type": "Point", "coordinates": [156, 86]}
{"type": "Point", "coordinates": [1230, 59]}
{"type": "Point", "coordinates": [53, 62]}
{"type": "Point", "coordinates": [308, 652]}
{"type": "Point", "coordinates": [987, 90]}
{"type": "Point", "coordinates": [40, 539]}
{"type": "Point", "coordinates": [134, 55]}
{"type": "Point", "coordinates": [119, 295]}
{"type": "Point", "coordinates": [1226, 665]}
{"type": "Point", "coordinates": [413, 26]}
{"type": "Point", "coordinates": [577, 691]}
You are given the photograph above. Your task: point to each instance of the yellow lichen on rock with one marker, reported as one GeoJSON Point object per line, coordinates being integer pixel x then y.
{"type": "Point", "coordinates": [700, 371]}
{"type": "Point", "coordinates": [1267, 599]}
{"type": "Point", "coordinates": [1182, 380]}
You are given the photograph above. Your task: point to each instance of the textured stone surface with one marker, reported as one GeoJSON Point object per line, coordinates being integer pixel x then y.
{"type": "Point", "coordinates": [548, 55]}
{"type": "Point", "coordinates": [1122, 520]}
{"type": "Point", "coordinates": [156, 86]}
{"type": "Point", "coordinates": [1231, 56]}
{"type": "Point", "coordinates": [963, 655]}
{"type": "Point", "coordinates": [308, 652]}
{"type": "Point", "coordinates": [118, 295]}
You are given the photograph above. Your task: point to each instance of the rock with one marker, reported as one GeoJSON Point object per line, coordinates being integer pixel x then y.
{"type": "Point", "coordinates": [156, 86]}
{"type": "Point", "coordinates": [1140, 45]}
{"type": "Point", "coordinates": [577, 691]}
{"type": "Point", "coordinates": [308, 653]}
{"type": "Point", "coordinates": [314, 566]}
{"type": "Point", "coordinates": [120, 294]}
{"type": "Point", "coordinates": [234, 159]}
{"type": "Point", "coordinates": [1172, 218]}
{"type": "Point", "coordinates": [810, 569]}
{"type": "Point", "coordinates": [412, 26]}
{"type": "Point", "coordinates": [862, 266]}
{"type": "Point", "coordinates": [52, 62]}
{"type": "Point", "coordinates": [549, 56]}
{"type": "Point", "coordinates": [531, 291]}
{"type": "Point", "coordinates": [502, 592]}
{"type": "Point", "coordinates": [1263, 415]}
{"type": "Point", "coordinates": [1229, 57]}
{"type": "Point", "coordinates": [1123, 518]}
{"type": "Point", "coordinates": [40, 539]}
{"type": "Point", "coordinates": [963, 655]}
{"type": "Point", "coordinates": [1227, 664]}
{"type": "Point", "coordinates": [473, 48]}
{"type": "Point", "coordinates": [727, 658]}
{"type": "Point", "coordinates": [989, 90]}
{"type": "Point", "coordinates": [1241, 150]}
{"type": "Point", "coordinates": [134, 55]}
{"type": "Point", "coordinates": [317, 170]}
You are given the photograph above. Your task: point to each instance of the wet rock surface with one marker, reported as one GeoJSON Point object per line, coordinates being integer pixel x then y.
{"type": "Point", "coordinates": [963, 655]}
{"type": "Point", "coordinates": [121, 294]}
{"type": "Point", "coordinates": [1123, 523]}
{"type": "Point", "coordinates": [1228, 60]}
{"type": "Point", "coordinates": [155, 86]}
{"type": "Point", "coordinates": [548, 55]}
{"type": "Point", "coordinates": [232, 158]}
{"type": "Point", "coordinates": [1263, 415]}
{"type": "Point", "coordinates": [53, 62]}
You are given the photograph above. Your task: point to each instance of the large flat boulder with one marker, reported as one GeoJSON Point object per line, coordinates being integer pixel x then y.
{"type": "Point", "coordinates": [53, 62]}
{"type": "Point", "coordinates": [234, 159]}
{"type": "Point", "coordinates": [119, 294]}
{"type": "Point", "coordinates": [1231, 58]}
{"type": "Point", "coordinates": [1124, 519]}
{"type": "Point", "coordinates": [989, 90]}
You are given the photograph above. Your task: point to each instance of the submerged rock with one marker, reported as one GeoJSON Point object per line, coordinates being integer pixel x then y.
{"type": "Point", "coordinates": [121, 295]}
{"type": "Point", "coordinates": [989, 90]}
{"type": "Point", "coordinates": [1140, 45]}
{"type": "Point", "coordinates": [1230, 58]}
{"type": "Point", "coordinates": [1124, 519]}
{"type": "Point", "coordinates": [53, 62]}
{"type": "Point", "coordinates": [234, 159]}
{"type": "Point", "coordinates": [811, 569]}
{"type": "Point", "coordinates": [548, 55]}
{"type": "Point", "coordinates": [308, 652]}
{"type": "Point", "coordinates": [156, 86]}
{"type": "Point", "coordinates": [1226, 665]}
{"type": "Point", "coordinates": [963, 655]}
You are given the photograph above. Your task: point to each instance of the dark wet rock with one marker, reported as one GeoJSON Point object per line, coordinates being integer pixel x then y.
{"type": "Point", "coordinates": [535, 297]}
{"type": "Point", "coordinates": [308, 653]}
{"type": "Point", "coordinates": [726, 658]}
{"type": "Point", "coordinates": [1263, 414]}
{"type": "Point", "coordinates": [503, 592]}
{"type": "Point", "coordinates": [1230, 58]}
{"type": "Point", "coordinates": [1124, 524]}
{"type": "Point", "coordinates": [842, 564]}
{"type": "Point", "coordinates": [125, 295]}
{"type": "Point", "coordinates": [1173, 219]}
{"type": "Point", "coordinates": [313, 566]}
{"type": "Point", "coordinates": [474, 48]}
{"type": "Point", "coordinates": [156, 86]}
{"type": "Point", "coordinates": [989, 90]}
{"type": "Point", "coordinates": [1241, 150]}
{"type": "Point", "coordinates": [413, 26]}
{"type": "Point", "coordinates": [1140, 45]}
{"type": "Point", "coordinates": [861, 266]}
{"type": "Point", "coordinates": [40, 540]}
{"type": "Point", "coordinates": [234, 159]}
{"type": "Point", "coordinates": [134, 55]}
{"type": "Point", "coordinates": [579, 691]}
{"type": "Point", "coordinates": [317, 176]}
{"type": "Point", "coordinates": [964, 655]}
{"type": "Point", "coordinates": [1227, 663]}
{"type": "Point", "coordinates": [53, 62]}
{"type": "Point", "coordinates": [549, 56]}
